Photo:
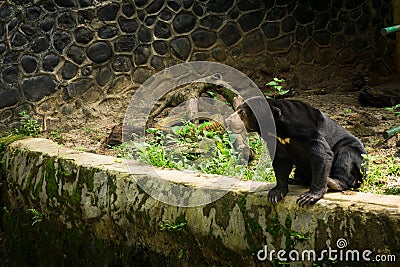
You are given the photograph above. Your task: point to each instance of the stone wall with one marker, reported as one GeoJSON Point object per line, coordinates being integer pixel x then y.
{"type": "Point", "coordinates": [72, 208]}
{"type": "Point", "coordinates": [83, 59]}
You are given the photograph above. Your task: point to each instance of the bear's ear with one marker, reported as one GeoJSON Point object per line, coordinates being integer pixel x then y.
{"type": "Point", "coordinates": [276, 112]}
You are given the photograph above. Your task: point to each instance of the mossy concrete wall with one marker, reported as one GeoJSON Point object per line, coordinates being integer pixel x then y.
{"type": "Point", "coordinates": [91, 212]}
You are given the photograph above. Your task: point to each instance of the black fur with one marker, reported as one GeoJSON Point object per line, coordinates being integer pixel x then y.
{"type": "Point", "coordinates": [325, 154]}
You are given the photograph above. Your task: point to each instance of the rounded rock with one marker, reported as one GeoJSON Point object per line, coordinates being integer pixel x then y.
{"type": "Point", "coordinates": [128, 9]}
{"type": "Point", "coordinates": [3, 48]}
{"type": "Point", "coordinates": [141, 54]}
{"type": "Point", "coordinates": [165, 15]}
{"type": "Point", "coordinates": [140, 3]}
{"type": "Point", "coordinates": [77, 54]}
{"type": "Point", "coordinates": [254, 43]}
{"type": "Point", "coordinates": [174, 5]}
{"type": "Point", "coordinates": [99, 52]}
{"type": "Point", "coordinates": [157, 63]}
{"type": "Point", "coordinates": [18, 40]}
{"type": "Point", "coordinates": [219, 54]}
{"type": "Point", "coordinates": [10, 74]}
{"type": "Point", "coordinates": [50, 61]}
{"type": "Point", "coordinates": [288, 24]}
{"type": "Point", "coordinates": [5, 12]}
{"type": "Point", "coordinates": [33, 13]}
{"type": "Point", "coordinates": [47, 23]}
{"type": "Point", "coordinates": [36, 88]}
{"type": "Point", "coordinates": [108, 31]}
{"type": "Point", "coordinates": [40, 44]}
{"type": "Point", "coordinates": [121, 64]}
{"type": "Point", "coordinates": [160, 47]}
{"type": "Point", "coordinates": [83, 35]}
{"type": "Point", "coordinates": [212, 22]}
{"type": "Point", "coordinates": [219, 6]}
{"type": "Point", "coordinates": [162, 30]}
{"type": "Point", "coordinates": [184, 22]}
{"type": "Point", "coordinates": [28, 30]}
{"type": "Point", "coordinates": [203, 39]}
{"type": "Point", "coordinates": [144, 35]}
{"type": "Point", "coordinates": [8, 98]}
{"type": "Point", "coordinates": [108, 12]}
{"type": "Point", "coordinates": [251, 20]}
{"type": "Point", "coordinates": [125, 44]}
{"type": "Point", "coordinates": [229, 34]}
{"type": "Point", "coordinates": [270, 29]}
{"type": "Point", "coordinates": [69, 70]}
{"type": "Point", "coordinates": [128, 25]}
{"type": "Point", "coordinates": [85, 3]}
{"type": "Point", "coordinates": [61, 40]}
{"type": "Point", "coordinates": [247, 5]}
{"type": "Point", "coordinates": [150, 20]}
{"type": "Point", "coordinates": [66, 21]}
{"type": "Point", "coordinates": [29, 63]}
{"type": "Point", "coordinates": [198, 10]}
{"type": "Point", "coordinates": [65, 3]}
{"type": "Point", "coordinates": [155, 6]}
{"type": "Point", "coordinates": [103, 76]}
{"type": "Point", "coordinates": [303, 15]}
{"type": "Point", "coordinates": [181, 47]}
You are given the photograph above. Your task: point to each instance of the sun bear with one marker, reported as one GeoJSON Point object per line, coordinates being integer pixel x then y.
{"type": "Point", "coordinates": [325, 154]}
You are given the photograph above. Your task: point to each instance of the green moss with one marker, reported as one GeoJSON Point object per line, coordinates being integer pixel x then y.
{"type": "Point", "coordinates": [276, 229]}
{"type": "Point", "coordinates": [7, 140]}
{"type": "Point", "coordinates": [50, 176]}
{"type": "Point", "coordinates": [76, 197]}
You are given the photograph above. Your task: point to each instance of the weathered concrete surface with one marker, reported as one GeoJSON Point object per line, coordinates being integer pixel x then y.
{"type": "Point", "coordinates": [95, 214]}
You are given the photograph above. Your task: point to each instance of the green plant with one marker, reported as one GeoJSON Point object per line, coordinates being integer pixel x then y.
{"type": "Point", "coordinates": [181, 253]}
{"type": "Point", "coordinates": [395, 109]}
{"type": "Point", "coordinates": [197, 147]}
{"type": "Point", "coordinates": [56, 135]}
{"type": "Point", "coordinates": [29, 127]}
{"type": "Point", "coordinates": [277, 88]}
{"type": "Point", "coordinates": [173, 227]}
{"type": "Point", "coordinates": [382, 172]}
{"type": "Point", "coordinates": [37, 216]}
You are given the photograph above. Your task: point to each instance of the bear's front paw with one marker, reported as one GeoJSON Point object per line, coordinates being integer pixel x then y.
{"type": "Point", "coordinates": [276, 194]}
{"type": "Point", "coordinates": [309, 198]}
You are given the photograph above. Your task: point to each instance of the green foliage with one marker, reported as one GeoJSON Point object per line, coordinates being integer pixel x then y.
{"type": "Point", "coordinates": [37, 216]}
{"type": "Point", "coordinates": [194, 147]}
{"type": "Point", "coordinates": [173, 227]}
{"type": "Point", "coordinates": [381, 171]}
{"type": "Point", "coordinates": [395, 109]}
{"type": "Point", "coordinates": [277, 88]}
{"type": "Point", "coordinates": [56, 135]}
{"type": "Point", "coordinates": [29, 127]}
{"type": "Point", "coordinates": [181, 253]}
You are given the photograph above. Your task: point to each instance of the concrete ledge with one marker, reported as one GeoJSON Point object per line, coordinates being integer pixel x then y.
{"type": "Point", "coordinates": [94, 213]}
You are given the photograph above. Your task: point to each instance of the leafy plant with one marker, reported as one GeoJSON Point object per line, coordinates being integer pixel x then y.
{"type": "Point", "coordinates": [29, 127]}
{"type": "Point", "coordinates": [173, 227]}
{"type": "Point", "coordinates": [277, 88]}
{"type": "Point", "coordinates": [381, 172]}
{"type": "Point", "coordinates": [56, 135]}
{"type": "Point", "coordinates": [181, 253]}
{"type": "Point", "coordinates": [197, 147]}
{"type": "Point", "coordinates": [37, 216]}
{"type": "Point", "coordinates": [395, 109]}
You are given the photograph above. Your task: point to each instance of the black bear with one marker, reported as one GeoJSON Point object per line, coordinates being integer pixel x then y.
{"type": "Point", "coordinates": [325, 154]}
